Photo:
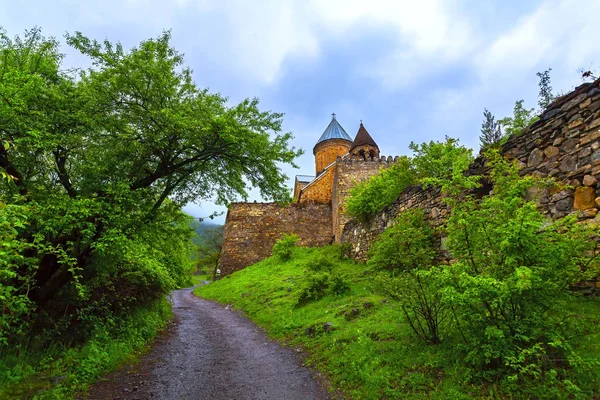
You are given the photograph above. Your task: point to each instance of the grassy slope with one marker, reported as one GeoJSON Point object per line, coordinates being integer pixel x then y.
{"type": "Point", "coordinates": [371, 352]}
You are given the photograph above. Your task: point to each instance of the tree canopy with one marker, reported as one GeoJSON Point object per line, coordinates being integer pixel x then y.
{"type": "Point", "coordinates": [97, 162]}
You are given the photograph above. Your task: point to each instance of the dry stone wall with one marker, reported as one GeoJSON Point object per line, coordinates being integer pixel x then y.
{"type": "Point", "coordinates": [564, 143]}
{"type": "Point", "coordinates": [251, 230]}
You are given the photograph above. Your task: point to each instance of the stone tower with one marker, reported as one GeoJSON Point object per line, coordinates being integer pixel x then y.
{"type": "Point", "coordinates": [364, 147]}
{"type": "Point", "coordinates": [333, 142]}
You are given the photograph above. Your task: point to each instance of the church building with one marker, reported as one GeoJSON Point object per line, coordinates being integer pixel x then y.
{"type": "Point", "coordinates": [318, 213]}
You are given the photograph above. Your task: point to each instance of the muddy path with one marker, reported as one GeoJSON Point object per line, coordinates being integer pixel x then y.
{"type": "Point", "coordinates": [212, 352]}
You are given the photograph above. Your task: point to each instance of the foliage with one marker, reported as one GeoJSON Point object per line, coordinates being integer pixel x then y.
{"type": "Point", "coordinates": [430, 160]}
{"type": "Point", "coordinates": [315, 288]}
{"type": "Point", "coordinates": [209, 250]}
{"type": "Point", "coordinates": [419, 294]}
{"type": "Point", "coordinates": [510, 284]}
{"type": "Point", "coordinates": [440, 160]}
{"type": "Point", "coordinates": [406, 250]}
{"type": "Point", "coordinates": [284, 247]}
{"type": "Point", "coordinates": [57, 372]}
{"type": "Point", "coordinates": [338, 284]}
{"type": "Point", "coordinates": [99, 162]}
{"type": "Point", "coordinates": [491, 132]}
{"type": "Point", "coordinates": [521, 119]}
{"type": "Point", "coordinates": [381, 190]}
{"type": "Point", "coordinates": [545, 96]}
{"type": "Point", "coordinates": [406, 245]}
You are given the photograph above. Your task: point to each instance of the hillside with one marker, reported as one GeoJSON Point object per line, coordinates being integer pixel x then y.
{"type": "Point", "coordinates": [361, 339]}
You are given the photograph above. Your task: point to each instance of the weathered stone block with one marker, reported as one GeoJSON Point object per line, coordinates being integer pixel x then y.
{"type": "Point", "coordinates": [589, 180]}
{"type": "Point", "coordinates": [585, 198]}
{"type": "Point", "coordinates": [535, 158]}
{"type": "Point", "coordinates": [551, 151]}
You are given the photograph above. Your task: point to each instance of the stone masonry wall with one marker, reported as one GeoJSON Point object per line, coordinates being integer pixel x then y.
{"type": "Point", "coordinates": [319, 190]}
{"type": "Point", "coordinates": [564, 143]}
{"type": "Point", "coordinates": [251, 230]}
{"type": "Point", "coordinates": [348, 173]}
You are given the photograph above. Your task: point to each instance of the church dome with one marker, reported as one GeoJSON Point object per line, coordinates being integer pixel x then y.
{"type": "Point", "coordinates": [334, 131]}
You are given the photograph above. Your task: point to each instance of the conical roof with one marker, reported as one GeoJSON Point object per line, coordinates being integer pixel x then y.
{"type": "Point", "coordinates": [362, 138]}
{"type": "Point", "coordinates": [334, 131]}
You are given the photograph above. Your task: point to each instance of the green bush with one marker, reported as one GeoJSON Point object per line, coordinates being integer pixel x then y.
{"type": "Point", "coordinates": [371, 196]}
{"type": "Point", "coordinates": [511, 280]}
{"type": "Point", "coordinates": [320, 263]}
{"type": "Point", "coordinates": [284, 247]}
{"type": "Point", "coordinates": [406, 245]}
{"type": "Point", "coordinates": [406, 250]}
{"type": "Point", "coordinates": [433, 160]}
{"type": "Point", "coordinates": [338, 284]}
{"type": "Point", "coordinates": [314, 289]}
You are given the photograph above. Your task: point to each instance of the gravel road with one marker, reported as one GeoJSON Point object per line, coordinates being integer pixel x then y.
{"type": "Point", "coordinates": [212, 352]}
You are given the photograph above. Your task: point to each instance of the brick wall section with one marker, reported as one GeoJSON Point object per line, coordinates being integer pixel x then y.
{"type": "Point", "coordinates": [319, 190]}
{"type": "Point", "coordinates": [348, 173]}
{"type": "Point", "coordinates": [251, 230]}
{"type": "Point", "coordinates": [564, 143]}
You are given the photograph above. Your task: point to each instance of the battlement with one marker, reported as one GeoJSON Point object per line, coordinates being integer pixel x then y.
{"type": "Point", "coordinates": [381, 160]}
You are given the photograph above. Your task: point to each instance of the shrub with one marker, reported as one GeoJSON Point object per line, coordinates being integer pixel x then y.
{"type": "Point", "coordinates": [433, 160]}
{"type": "Point", "coordinates": [406, 250]}
{"type": "Point", "coordinates": [315, 288]}
{"type": "Point", "coordinates": [284, 248]}
{"type": "Point", "coordinates": [319, 262]}
{"type": "Point", "coordinates": [338, 285]}
{"type": "Point", "coordinates": [369, 197]}
{"type": "Point", "coordinates": [511, 280]}
{"type": "Point", "coordinates": [406, 245]}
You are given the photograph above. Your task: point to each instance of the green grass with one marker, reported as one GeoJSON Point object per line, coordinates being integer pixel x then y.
{"type": "Point", "coordinates": [197, 279]}
{"type": "Point", "coordinates": [60, 372]}
{"type": "Point", "coordinates": [371, 353]}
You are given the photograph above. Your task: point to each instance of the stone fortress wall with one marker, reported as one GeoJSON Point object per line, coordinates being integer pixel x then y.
{"type": "Point", "coordinates": [564, 143]}
{"type": "Point", "coordinates": [251, 230]}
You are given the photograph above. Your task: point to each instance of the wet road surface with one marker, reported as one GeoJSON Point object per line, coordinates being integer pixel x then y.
{"type": "Point", "coordinates": [212, 352]}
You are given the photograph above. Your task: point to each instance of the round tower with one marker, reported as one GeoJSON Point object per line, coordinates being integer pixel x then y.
{"type": "Point", "coordinates": [333, 142]}
{"type": "Point", "coordinates": [364, 147]}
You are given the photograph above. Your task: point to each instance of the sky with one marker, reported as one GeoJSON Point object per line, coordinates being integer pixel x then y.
{"type": "Point", "coordinates": [410, 70]}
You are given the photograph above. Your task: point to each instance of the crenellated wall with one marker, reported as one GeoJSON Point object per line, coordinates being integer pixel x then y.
{"type": "Point", "coordinates": [564, 143]}
{"type": "Point", "coordinates": [251, 230]}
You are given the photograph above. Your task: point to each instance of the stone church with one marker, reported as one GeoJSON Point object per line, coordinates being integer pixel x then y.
{"type": "Point", "coordinates": [317, 214]}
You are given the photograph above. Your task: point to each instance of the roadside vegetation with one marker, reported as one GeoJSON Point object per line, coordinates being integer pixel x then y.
{"type": "Point", "coordinates": [95, 165]}
{"type": "Point", "coordinates": [502, 320]}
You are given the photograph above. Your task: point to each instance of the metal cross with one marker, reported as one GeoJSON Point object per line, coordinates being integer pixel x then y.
{"type": "Point", "coordinates": [332, 115]}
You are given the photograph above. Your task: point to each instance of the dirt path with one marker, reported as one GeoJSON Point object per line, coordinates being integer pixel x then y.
{"type": "Point", "coordinates": [211, 352]}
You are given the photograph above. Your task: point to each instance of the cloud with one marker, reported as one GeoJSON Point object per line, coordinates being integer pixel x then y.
{"type": "Point", "coordinates": [561, 34]}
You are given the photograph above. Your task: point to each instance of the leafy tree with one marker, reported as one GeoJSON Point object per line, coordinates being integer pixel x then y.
{"type": "Point", "coordinates": [522, 118]}
{"type": "Point", "coordinates": [101, 161]}
{"type": "Point", "coordinates": [441, 160]}
{"type": "Point", "coordinates": [545, 96]}
{"type": "Point", "coordinates": [491, 133]}
{"type": "Point", "coordinates": [209, 249]}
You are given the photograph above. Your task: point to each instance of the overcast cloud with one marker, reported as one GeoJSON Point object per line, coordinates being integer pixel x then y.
{"type": "Point", "coordinates": [411, 70]}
